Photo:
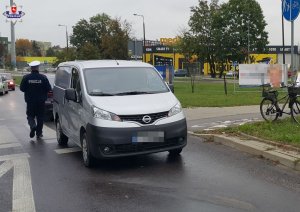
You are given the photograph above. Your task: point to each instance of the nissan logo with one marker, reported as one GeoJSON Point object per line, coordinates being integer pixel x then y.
{"type": "Point", "coordinates": [147, 119]}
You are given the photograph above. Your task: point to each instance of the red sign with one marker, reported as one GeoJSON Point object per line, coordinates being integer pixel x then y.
{"type": "Point", "coordinates": [13, 9]}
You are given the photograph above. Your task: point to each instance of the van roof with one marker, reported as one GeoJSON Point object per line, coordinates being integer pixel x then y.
{"type": "Point", "coordinates": [105, 63]}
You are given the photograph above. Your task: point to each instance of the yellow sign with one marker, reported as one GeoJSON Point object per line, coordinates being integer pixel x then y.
{"type": "Point", "coordinates": [41, 59]}
{"type": "Point", "coordinates": [169, 41]}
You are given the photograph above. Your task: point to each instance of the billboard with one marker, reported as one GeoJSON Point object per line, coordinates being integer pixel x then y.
{"type": "Point", "coordinates": [259, 74]}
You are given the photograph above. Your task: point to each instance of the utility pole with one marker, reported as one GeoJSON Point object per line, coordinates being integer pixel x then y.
{"type": "Point", "coordinates": [13, 42]}
{"type": "Point", "coordinates": [283, 44]}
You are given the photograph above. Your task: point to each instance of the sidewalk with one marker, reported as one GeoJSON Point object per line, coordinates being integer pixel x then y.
{"type": "Point", "coordinates": [212, 112]}
{"type": "Point", "coordinates": [283, 154]}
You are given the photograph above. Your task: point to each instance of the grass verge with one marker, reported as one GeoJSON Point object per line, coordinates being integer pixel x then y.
{"type": "Point", "coordinates": [211, 94]}
{"type": "Point", "coordinates": [281, 131]}
{"type": "Point", "coordinates": [18, 79]}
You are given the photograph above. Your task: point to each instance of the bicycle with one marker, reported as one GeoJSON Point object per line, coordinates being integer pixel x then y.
{"type": "Point", "coordinates": [269, 106]}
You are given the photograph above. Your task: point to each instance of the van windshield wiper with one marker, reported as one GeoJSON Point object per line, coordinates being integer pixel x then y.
{"type": "Point", "coordinates": [133, 93]}
{"type": "Point", "coordinates": [94, 93]}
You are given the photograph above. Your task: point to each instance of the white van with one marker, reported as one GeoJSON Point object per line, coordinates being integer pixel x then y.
{"type": "Point", "coordinates": [114, 108]}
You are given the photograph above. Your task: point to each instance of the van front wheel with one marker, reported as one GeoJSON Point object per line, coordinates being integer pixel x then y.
{"type": "Point", "coordinates": [87, 157]}
{"type": "Point", "coordinates": [62, 139]}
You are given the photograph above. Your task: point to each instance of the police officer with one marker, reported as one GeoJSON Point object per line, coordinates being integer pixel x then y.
{"type": "Point", "coordinates": [35, 87]}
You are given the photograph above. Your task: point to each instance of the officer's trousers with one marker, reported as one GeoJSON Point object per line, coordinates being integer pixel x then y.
{"type": "Point", "coordinates": [35, 115]}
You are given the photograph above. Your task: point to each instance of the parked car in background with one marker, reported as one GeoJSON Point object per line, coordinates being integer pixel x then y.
{"type": "Point", "coordinates": [49, 102]}
{"type": "Point", "coordinates": [10, 81]}
{"type": "Point", "coordinates": [181, 73]}
{"type": "Point", "coordinates": [50, 70]}
{"type": "Point", "coordinates": [3, 86]}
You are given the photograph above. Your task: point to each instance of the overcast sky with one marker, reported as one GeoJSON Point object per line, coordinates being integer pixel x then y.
{"type": "Point", "coordinates": [163, 18]}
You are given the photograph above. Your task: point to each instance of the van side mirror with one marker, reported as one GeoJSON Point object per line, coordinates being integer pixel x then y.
{"type": "Point", "coordinates": [171, 86]}
{"type": "Point", "coordinates": [70, 94]}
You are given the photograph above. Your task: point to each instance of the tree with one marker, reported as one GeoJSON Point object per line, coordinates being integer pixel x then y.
{"type": "Point", "coordinates": [36, 50]}
{"type": "Point", "coordinates": [108, 37]}
{"type": "Point", "coordinates": [50, 52]}
{"type": "Point", "coordinates": [186, 45]}
{"type": "Point", "coordinates": [115, 42]}
{"type": "Point", "coordinates": [200, 36]}
{"type": "Point", "coordinates": [242, 24]}
{"type": "Point", "coordinates": [220, 34]}
{"type": "Point", "coordinates": [3, 53]}
{"type": "Point", "coordinates": [88, 52]}
{"type": "Point", "coordinates": [63, 56]}
{"type": "Point", "coordinates": [23, 47]}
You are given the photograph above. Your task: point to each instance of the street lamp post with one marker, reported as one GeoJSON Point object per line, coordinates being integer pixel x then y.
{"type": "Point", "coordinates": [144, 42]}
{"type": "Point", "coordinates": [67, 37]}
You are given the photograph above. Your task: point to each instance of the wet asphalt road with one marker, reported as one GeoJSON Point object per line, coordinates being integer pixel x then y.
{"type": "Point", "coordinates": [206, 177]}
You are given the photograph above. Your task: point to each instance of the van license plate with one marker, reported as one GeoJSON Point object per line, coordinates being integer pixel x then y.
{"type": "Point", "coordinates": [150, 136]}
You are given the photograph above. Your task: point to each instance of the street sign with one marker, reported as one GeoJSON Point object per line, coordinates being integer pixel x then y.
{"type": "Point", "coordinates": [290, 9]}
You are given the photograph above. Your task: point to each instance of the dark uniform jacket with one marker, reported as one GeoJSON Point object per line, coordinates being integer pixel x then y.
{"type": "Point", "coordinates": [35, 87]}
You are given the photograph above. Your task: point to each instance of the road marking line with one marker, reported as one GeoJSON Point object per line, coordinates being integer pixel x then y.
{"type": "Point", "coordinates": [48, 132]}
{"type": "Point", "coordinates": [5, 167]}
{"type": "Point", "coordinates": [68, 150]}
{"type": "Point", "coordinates": [6, 146]}
{"type": "Point", "coordinates": [7, 136]}
{"type": "Point", "coordinates": [14, 156]}
{"type": "Point", "coordinates": [22, 189]}
{"type": "Point", "coordinates": [50, 141]}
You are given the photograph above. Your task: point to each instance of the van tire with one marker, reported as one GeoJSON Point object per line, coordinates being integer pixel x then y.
{"type": "Point", "coordinates": [62, 139]}
{"type": "Point", "coordinates": [175, 152]}
{"type": "Point", "coordinates": [88, 159]}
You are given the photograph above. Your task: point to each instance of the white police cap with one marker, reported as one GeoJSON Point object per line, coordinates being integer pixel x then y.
{"type": "Point", "coordinates": [34, 63]}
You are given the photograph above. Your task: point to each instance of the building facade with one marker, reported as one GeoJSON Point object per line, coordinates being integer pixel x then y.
{"type": "Point", "coordinates": [162, 53]}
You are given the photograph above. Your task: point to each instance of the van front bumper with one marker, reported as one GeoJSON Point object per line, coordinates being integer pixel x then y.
{"type": "Point", "coordinates": [122, 141]}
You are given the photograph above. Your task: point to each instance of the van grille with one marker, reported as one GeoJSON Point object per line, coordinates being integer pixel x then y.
{"type": "Point", "coordinates": [139, 118]}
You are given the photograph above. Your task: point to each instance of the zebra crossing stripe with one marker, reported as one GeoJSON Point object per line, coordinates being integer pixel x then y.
{"type": "Point", "coordinates": [5, 146]}
{"type": "Point", "coordinates": [22, 188]}
{"type": "Point", "coordinates": [5, 167]}
{"type": "Point", "coordinates": [7, 136]}
{"type": "Point", "coordinates": [14, 156]}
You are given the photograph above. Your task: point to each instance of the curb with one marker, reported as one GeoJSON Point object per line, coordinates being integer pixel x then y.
{"type": "Point", "coordinates": [284, 156]}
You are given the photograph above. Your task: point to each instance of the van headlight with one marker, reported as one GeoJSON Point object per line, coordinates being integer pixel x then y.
{"type": "Point", "coordinates": [175, 110]}
{"type": "Point", "coordinates": [103, 114]}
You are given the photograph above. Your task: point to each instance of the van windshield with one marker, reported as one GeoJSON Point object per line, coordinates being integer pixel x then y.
{"type": "Point", "coordinates": [123, 81]}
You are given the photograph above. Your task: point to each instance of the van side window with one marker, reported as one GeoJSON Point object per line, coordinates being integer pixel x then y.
{"type": "Point", "coordinates": [75, 82]}
{"type": "Point", "coordinates": [62, 77]}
